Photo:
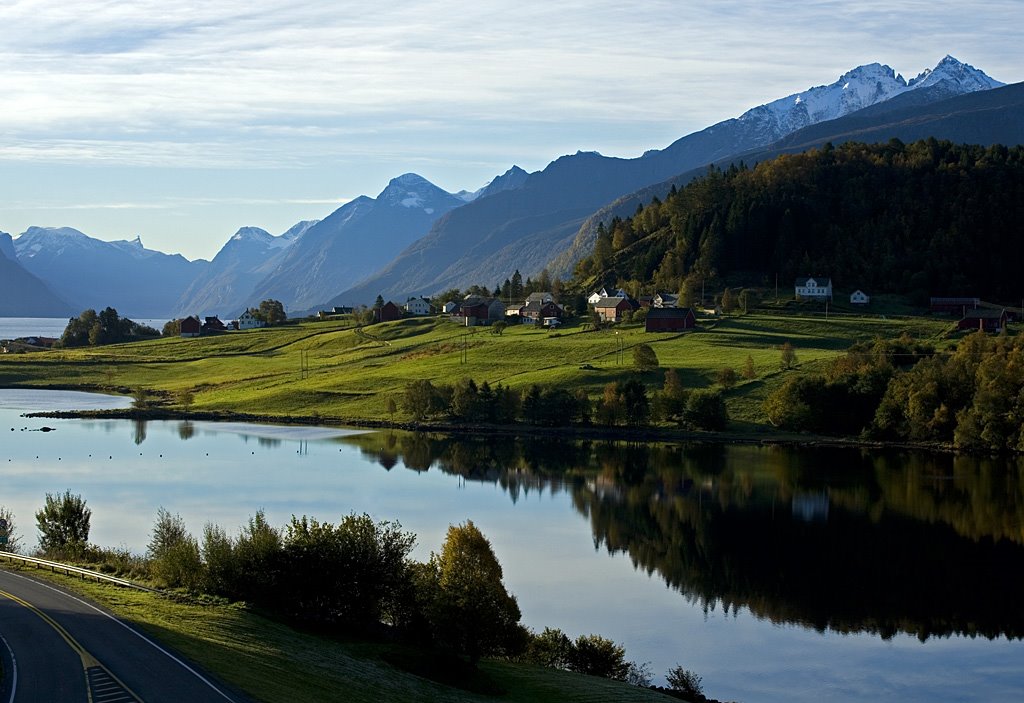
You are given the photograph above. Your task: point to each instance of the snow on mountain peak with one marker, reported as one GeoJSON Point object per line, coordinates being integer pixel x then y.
{"type": "Point", "coordinates": [411, 190]}
{"type": "Point", "coordinates": [251, 233]}
{"type": "Point", "coordinates": [961, 77]}
{"type": "Point", "coordinates": [856, 89]}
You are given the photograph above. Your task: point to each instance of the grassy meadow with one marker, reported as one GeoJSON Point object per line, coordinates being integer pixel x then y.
{"type": "Point", "coordinates": [333, 369]}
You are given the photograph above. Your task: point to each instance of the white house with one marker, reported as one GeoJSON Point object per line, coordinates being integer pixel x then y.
{"type": "Point", "coordinates": [597, 295]}
{"type": "Point", "coordinates": [814, 288]}
{"type": "Point", "coordinates": [449, 307]}
{"type": "Point", "coordinates": [859, 297]}
{"type": "Point", "coordinates": [665, 300]}
{"type": "Point", "coordinates": [248, 321]}
{"type": "Point", "coordinates": [417, 306]}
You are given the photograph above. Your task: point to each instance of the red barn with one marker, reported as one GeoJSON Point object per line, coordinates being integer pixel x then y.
{"type": "Point", "coordinates": [985, 319]}
{"type": "Point", "coordinates": [191, 327]}
{"type": "Point", "coordinates": [670, 320]}
{"type": "Point", "coordinates": [388, 312]}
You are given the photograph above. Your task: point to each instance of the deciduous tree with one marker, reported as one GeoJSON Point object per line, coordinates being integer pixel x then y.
{"type": "Point", "coordinates": [63, 522]}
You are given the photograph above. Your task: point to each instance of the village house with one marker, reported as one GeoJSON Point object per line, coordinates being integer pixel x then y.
{"type": "Point", "coordinates": [540, 297]}
{"type": "Point", "coordinates": [859, 297]}
{"type": "Point", "coordinates": [535, 311]}
{"type": "Point", "coordinates": [669, 320]}
{"type": "Point", "coordinates": [213, 324]}
{"type": "Point", "coordinates": [450, 307]}
{"type": "Point", "coordinates": [986, 319]}
{"type": "Point", "coordinates": [665, 300]}
{"type": "Point", "coordinates": [814, 289]}
{"type": "Point", "coordinates": [477, 310]}
{"type": "Point", "coordinates": [248, 321]}
{"type": "Point", "coordinates": [418, 306]}
{"type": "Point", "coordinates": [190, 327]}
{"type": "Point", "coordinates": [612, 309]}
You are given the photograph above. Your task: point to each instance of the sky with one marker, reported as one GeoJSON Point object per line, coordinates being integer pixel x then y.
{"type": "Point", "coordinates": [182, 122]}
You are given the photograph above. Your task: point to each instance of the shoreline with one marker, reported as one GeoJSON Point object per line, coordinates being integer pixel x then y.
{"type": "Point", "coordinates": [516, 431]}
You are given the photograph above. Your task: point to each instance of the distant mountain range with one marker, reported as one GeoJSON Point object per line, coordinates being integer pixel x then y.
{"type": "Point", "coordinates": [416, 239]}
{"type": "Point", "coordinates": [21, 293]}
{"type": "Point", "coordinates": [533, 226]}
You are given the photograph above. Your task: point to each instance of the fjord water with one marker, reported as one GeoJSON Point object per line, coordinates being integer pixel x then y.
{"type": "Point", "coordinates": [777, 574]}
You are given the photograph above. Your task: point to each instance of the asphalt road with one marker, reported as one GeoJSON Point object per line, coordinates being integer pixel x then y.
{"type": "Point", "coordinates": [58, 647]}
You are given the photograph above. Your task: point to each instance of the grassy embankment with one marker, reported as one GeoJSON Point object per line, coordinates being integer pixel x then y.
{"type": "Point", "coordinates": [273, 662]}
{"type": "Point", "coordinates": [351, 372]}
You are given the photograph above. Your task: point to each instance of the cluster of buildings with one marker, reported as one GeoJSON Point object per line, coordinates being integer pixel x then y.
{"type": "Point", "coordinates": [974, 314]}
{"type": "Point", "coordinates": [192, 326]}
{"type": "Point", "coordinates": [662, 313]}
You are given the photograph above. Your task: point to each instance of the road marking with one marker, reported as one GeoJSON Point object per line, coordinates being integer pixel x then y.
{"type": "Point", "coordinates": [14, 666]}
{"type": "Point", "coordinates": [93, 669]}
{"type": "Point", "coordinates": [132, 630]}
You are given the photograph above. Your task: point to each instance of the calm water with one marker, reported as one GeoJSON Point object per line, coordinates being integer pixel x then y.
{"type": "Point", "coordinates": [14, 327]}
{"type": "Point", "coordinates": [777, 575]}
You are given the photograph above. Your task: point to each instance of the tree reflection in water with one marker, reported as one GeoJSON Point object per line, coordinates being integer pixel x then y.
{"type": "Point", "coordinates": [838, 539]}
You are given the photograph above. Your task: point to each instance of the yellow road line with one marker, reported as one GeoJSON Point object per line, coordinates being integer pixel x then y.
{"type": "Point", "coordinates": [88, 660]}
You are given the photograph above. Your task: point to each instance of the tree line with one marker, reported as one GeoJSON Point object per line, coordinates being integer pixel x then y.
{"type": "Point", "coordinates": [890, 217]}
{"type": "Point", "coordinates": [902, 390]}
{"type": "Point", "coordinates": [93, 328]}
{"type": "Point", "coordinates": [354, 577]}
{"type": "Point", "coordinates": [622, 403]}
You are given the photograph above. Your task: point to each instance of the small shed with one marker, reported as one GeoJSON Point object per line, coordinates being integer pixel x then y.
{"type": "Point", "coordinates": [670, 320]}
{"type": "Point", "coordinates": [859, 297]}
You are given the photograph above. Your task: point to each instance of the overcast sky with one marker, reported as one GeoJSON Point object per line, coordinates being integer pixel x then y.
{"type": "Point", "coordinates": [182, 122]}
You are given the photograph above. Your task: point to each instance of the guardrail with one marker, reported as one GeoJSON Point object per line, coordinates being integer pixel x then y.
{"type": "Point", "coordinates": [56, 566]}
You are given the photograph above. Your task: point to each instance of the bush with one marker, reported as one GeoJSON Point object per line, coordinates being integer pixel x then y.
{"type": "Point", "coordinates": [598, 656]}
{"type": "Point", "coordinates": [550, 648]}
{"type": "Point", "coordinates": [686, 682]}
{"type": "Point", "coordinates": [353, 573]}
{"type": "Point", "coordinates": [705, 410]}
{"type": "Point", "coordinates": [174, 553]}
{"type": "Point", "coordinates": [63, 523]}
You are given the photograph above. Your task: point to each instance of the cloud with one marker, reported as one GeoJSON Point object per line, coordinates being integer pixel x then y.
{"type": "Point", "coordinates": [309, 70]}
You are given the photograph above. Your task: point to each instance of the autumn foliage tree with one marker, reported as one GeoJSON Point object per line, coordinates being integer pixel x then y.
{"type": "Point", "coordinates": [464, 597]}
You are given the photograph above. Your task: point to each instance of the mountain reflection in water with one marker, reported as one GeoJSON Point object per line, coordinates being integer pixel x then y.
{"type": "Point", "coordinates": [836, 539]}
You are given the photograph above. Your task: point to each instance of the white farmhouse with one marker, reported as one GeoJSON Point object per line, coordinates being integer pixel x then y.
{"type": "Point", "coordinates": [248, 321]}
{"type": "Point", "coordinates": [814, 289]}
{"type": "Point", "coordinates": [417, 306]}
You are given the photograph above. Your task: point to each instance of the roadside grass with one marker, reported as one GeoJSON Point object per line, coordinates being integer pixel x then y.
{"type": "Point", "coordinates": [270, 661]}
{"type": "Point", "coordinates": [334, 369]}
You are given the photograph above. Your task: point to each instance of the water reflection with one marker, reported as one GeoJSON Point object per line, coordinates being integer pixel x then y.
{"type": "Point", "coordinates": [830, 539]}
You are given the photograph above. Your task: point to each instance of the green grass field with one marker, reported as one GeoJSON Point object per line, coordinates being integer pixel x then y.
{"type": "Point", "coordinates": [332, 369]}
{"type": "Point", "coordinates": [273, 662]}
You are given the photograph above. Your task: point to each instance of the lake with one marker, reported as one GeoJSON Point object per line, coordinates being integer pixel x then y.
{"type": "Point", "coordinates": [776, 574]}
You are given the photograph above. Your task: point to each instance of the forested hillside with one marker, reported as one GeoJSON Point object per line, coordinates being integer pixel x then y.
{"type": "Point", "coordinates": [928, 218]}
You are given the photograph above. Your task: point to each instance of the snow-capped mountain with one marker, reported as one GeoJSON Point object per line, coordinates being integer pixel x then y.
{"type": "Point", "coordinates": [527, 227]}
{"type": "Point", "coordinates": [225, 287]}
{"type": "Point", "coordinates": [960, 77]}
{"type": "Point", "coordinates": [855, 90]}
{"type": "Point", "coordinates": [354, 241]}
{"type": "Point", "coordinates": [136, 281]}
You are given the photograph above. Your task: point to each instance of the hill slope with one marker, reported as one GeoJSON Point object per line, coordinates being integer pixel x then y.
{"type": "Point", "coordinates": [525, 228]}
